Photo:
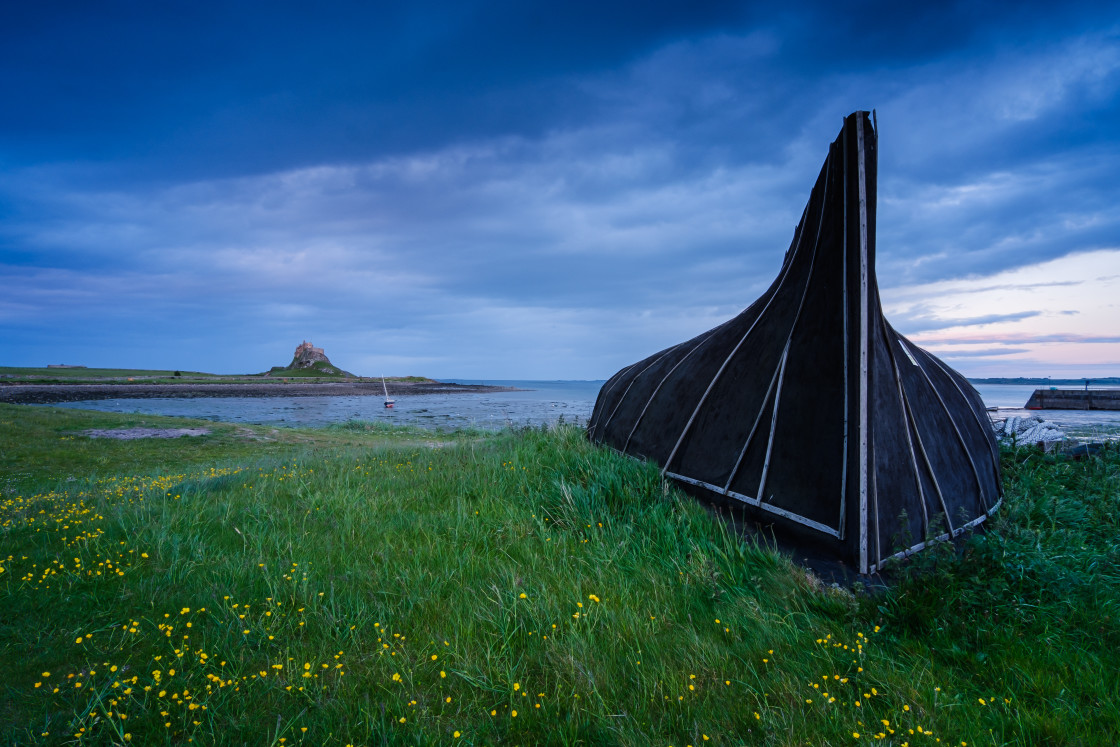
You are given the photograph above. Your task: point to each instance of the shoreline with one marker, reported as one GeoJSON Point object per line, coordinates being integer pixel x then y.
{"type": "Point", "coordinates": [42, 394]}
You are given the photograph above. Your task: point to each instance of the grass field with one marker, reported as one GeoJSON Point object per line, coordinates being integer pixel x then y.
{"type": "Point", "coordinates": [31, 375]}
{"type": "Point", "coordinates": [354, 585]}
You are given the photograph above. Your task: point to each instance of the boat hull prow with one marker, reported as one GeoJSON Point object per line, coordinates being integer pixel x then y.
{"type": "Point", "coordinates": [808, 409]}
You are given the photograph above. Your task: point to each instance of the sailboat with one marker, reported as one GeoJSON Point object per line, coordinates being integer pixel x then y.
{"type": "Point", "coordinates": [388, 402]}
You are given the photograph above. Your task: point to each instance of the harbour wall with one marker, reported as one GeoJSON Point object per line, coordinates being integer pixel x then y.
{"type": "Point", "coordinates": [1074, 399]}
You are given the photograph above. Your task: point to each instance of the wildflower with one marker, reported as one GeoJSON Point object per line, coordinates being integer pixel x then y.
{"type": "Point", "coordinates": [513, 714]}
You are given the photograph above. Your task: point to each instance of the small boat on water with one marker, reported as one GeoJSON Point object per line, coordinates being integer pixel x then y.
{"type": "Point", "coordinates": [388, 402]}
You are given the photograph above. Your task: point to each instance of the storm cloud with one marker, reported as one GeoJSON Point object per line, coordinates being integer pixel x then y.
{"type": "Point", "coordinates": [489, 190]}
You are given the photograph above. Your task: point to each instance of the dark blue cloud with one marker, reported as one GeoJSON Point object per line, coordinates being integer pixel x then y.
{"type": "Point", "coordinates": [204, 90]}
{"type": "Point", "coordinates": [603, 179]}
{"type": "Point", "coordinates": [208, 90]}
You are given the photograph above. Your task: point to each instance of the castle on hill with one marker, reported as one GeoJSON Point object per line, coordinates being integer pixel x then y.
{"type": "Point", "coordinates": [306, 355]}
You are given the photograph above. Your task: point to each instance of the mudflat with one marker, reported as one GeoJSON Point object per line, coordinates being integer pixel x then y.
{"type": "Point", "coordinates": [48, 393]}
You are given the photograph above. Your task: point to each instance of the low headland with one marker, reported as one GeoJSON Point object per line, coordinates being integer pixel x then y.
{"type": "Point", "coordinates": [1105, 381]}
{"type": "Point", "coordinates": [369, 584]}
{"type": "Point", "coordinates": [74, 384]}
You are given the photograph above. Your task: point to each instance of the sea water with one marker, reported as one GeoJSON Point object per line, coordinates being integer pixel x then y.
{"type": "Point", "coordinates": [530, 403]}
{"type": "Point", "coordinates": [533, 403]}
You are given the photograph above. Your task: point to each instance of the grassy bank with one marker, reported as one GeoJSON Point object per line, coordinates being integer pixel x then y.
{"type": "Point", "coordinates": [81, 375]}
{"type": "Point", "coordinates": [352, 586]}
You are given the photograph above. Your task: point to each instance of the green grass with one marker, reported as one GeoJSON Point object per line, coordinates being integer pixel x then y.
{"type": "Point", "coordinates": [318, 369]}
{"type": "Point", "coordinates": [44, 445]}
{"type": "Point", "coordinates": [377, 586]}
{"type": "Point", "coordinates": [32, 375]}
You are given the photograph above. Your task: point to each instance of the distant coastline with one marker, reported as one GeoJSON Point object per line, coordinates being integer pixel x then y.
{"type": "Point", "coordinates": [1024, 381]}
{"type": "Point", "coordinates": [61, 391]}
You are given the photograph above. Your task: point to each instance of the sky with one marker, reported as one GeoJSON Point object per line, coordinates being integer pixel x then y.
{"type": "Point", "coordinates": [520, 190]}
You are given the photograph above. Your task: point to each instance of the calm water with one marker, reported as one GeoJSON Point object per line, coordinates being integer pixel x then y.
{"type": "Point", "coordinates": [540, 402]}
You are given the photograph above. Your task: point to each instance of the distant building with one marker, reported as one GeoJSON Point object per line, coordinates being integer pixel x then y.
{"type": "Point", "coordinates": [305, 351]}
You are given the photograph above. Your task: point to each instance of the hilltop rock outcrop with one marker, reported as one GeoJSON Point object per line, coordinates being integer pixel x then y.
{"type": "Point", "coordinates": [308, 357]}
